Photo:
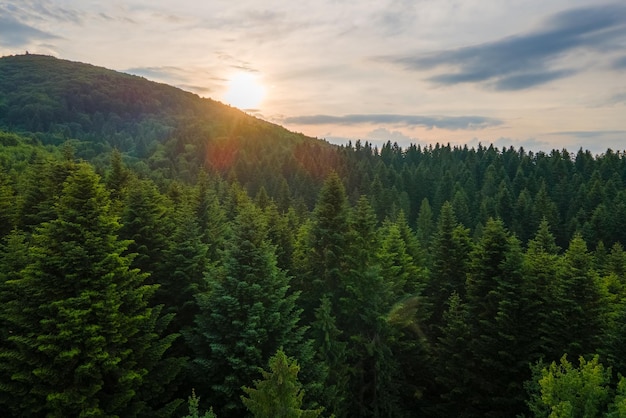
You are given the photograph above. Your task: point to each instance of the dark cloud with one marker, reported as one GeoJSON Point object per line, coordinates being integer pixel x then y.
{"type": "Point", "coordinates": [525, 60]}
{"type": "Point", "coordinates": [526, 80]}
{"type": "Point", "coordinates": [17, 34]}
{"type": "Point", "coordinates": [443, 122]}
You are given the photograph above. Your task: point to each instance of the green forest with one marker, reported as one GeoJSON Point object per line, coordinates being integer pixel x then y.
{"type": "Point", "coordinates": [165, 255]}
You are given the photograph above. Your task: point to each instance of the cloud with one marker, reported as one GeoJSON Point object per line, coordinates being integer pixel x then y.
{"type": "Point", "coordinates": [525, 60]}
{"type": "Point", "coordinates": [383, 134]}
{"type": "Point", "coordinates": [617, 98]}
{"type": "Point", "coordinates": [589, 134]}
{"type": "Point", "coordinates": [527, 144]}
{"type": "Point", "coordinates": [620, 63]}
{"type": "Point", "coordinates": [165, 72]}
{"type": "Point", "coordinates": [430, 122]}
{"type": "Point", "coordinates": [596, 141]}
{"type": "Point", "coordinates": [17, 34]}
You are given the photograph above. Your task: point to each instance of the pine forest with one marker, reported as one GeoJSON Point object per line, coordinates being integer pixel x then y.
{"type": "Point", "coordinates": [164, 255]}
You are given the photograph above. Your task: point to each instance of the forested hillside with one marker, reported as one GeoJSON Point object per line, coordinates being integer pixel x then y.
{"type": "Point", "coordinates": [154, 244]}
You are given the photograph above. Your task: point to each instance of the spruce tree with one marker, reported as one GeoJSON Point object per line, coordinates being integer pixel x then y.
{"type": "Point", "coordinates": [495, 305]}
{"type": "Point", "coordinates": [83, 340]}
{"type": "Point", "coordinates": [244, 317]}
{"type": "Point", "coordinates": [320, 259]}
{"type": "Point", "coordinates": [582, 302]}
{"type": "Point", "coordinates": [279, 394]}
{"type": "Point", "coordinates": [450, 250]}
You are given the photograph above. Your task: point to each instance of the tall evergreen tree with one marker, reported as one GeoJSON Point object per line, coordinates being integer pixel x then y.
{"type": "Point", "coordinates": [244, 316]}
{"type": "Point", "coordinates": [322, 263]}
{"type": "Point", "coordinates": [450, 253]}
{"type": "Point", "coordinates": [495, 304]}
{"type": "Point", "coordinates": [581, 301]}
{"type": "Point", "coordinates": [279, 394]}
{"type": "Point", "coordinates": [83, 340]}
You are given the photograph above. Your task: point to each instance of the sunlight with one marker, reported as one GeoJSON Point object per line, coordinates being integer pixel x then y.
{"type": "Point", "coordinates": [244, 91]}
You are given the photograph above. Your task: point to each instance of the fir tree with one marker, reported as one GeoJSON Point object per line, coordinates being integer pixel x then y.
{"type": "Point", "coordinates": [244, 316]}
{"type": "Point", "coordinates": [279, 394]}
{"type": "Point", "coordinates": [84, 341]}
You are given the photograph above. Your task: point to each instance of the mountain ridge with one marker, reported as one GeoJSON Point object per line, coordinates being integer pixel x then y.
{"type": "Point", "coordinates": [41, 93]}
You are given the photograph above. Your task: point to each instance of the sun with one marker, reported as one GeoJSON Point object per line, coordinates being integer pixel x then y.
{"type": "Point", "coordinates": [245, 91]}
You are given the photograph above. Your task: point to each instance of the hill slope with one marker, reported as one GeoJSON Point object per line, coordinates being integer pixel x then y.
{"type": "Point", "coordinates": [99, 109]}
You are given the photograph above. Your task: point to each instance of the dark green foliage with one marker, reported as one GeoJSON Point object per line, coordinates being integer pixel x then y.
{"type": "Point", "coordinates": [322, 262]}
{"type": "Point", "coordinates": [405, 316]}
{"type": "Point", "coordinates": [244, 316]}
{"type": "Point", "coordinates": [496, 305]}
{"type": "Point", "coordinates": [581, 301]}
{"type": "Point", "coordinates": [450, 258]}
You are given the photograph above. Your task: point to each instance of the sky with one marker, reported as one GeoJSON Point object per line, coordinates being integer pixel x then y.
{"type": "Point", "coordinates": [536, 74]}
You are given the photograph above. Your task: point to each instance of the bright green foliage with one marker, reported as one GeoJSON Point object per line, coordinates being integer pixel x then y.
{"type": "Point", "coordinates": [244, 316]}
{"type": "Point", "coordinates": [194, 408]}
{"type": "Point", "coordinates": [7, 205]}
{"type": "Point", "coordinates": [83, 341]}
{"type": "Point", "coordinates": [185, 261]}
{"type": "Point", "coordinates": [570, 392]}
{"type": "Point", "coordinates": [118, 178]}
{"type": "Point", "coordinates": [365, 298]}
{"type": "Point", "coordinates": [279, 394]}
{"type": "Point", "coordinates": [618, 408]}
{"type": "Point", "coordinates": [398, 268]}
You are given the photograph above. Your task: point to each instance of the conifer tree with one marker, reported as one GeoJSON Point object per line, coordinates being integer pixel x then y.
{"type": "Point", "coordinates": [244, 317]}
{"type": "Point", "coordinates": [495, 304]}
{"type": "Point", "coordinates": [540, 271]}
{"type": "Point", "coordinates": [331, 353]}
{"type": "Point", "coordinates": [581, 302]}
{"type": "Point", "coordinates": [279, 394]}
{"type": "Point", "coordinates": [83, 340]}
{"type": "Point", "coordinates": [320, 262]}
{"type": "Point", "coordinates": [450, 253]}
{"type": "Point", "coordinates": [144, 222]}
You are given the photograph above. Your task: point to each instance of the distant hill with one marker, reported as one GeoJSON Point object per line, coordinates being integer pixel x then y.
{"type": "Point", "coordinates": [99, 109]}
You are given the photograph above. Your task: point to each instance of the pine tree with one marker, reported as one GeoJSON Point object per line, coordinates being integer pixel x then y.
{"type": "Point", "coordinates": [279, 394]}
{"type": "Point", "coordinates": [320, 261]}
{"type": "Point", "coordinates": [450, 253]}
{"type": "Point", "coordinates": [244, 317]}
{"type": "Point", "coordinates": [454, 361]}
{"type": "Point", "coordinates": [544, 316]}
{"type": "Point", "coordinates": [582, 302]}
{"type": "Point", "coordinates": [144, 222]}
{"type": "Point", "coordinates": [331, 352]}
{"type": "Point", "coordinates": [83, 340]}
{"type": "Point", "coordinates": [495, 303]}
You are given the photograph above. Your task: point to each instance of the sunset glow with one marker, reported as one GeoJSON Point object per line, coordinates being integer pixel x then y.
{"type": "Point", "coordinates": [245, 91]}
